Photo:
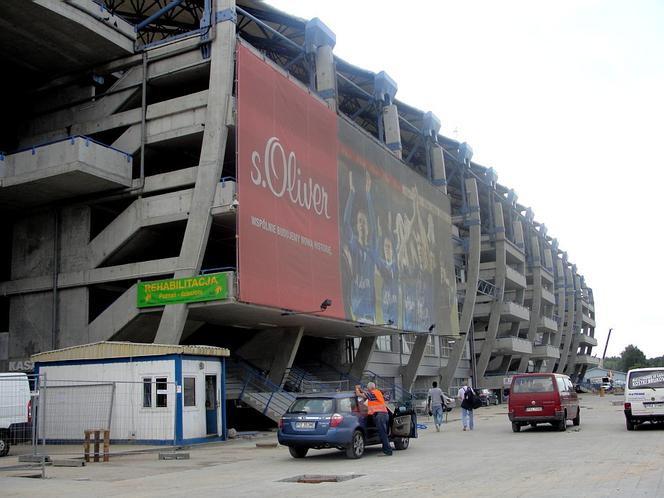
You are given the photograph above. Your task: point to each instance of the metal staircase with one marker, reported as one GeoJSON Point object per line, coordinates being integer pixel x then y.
{"type": "Point", "coordinates": [248, 384]}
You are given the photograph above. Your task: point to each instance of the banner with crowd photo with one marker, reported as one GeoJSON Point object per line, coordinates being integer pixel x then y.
{"type": "Point", "coordinates": [326, 212]}
{"type": "Point", "coordinates": [396, 242]}
{"type": "Point", "coordinates": [288, 228]}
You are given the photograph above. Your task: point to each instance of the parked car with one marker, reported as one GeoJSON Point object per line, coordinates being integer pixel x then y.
{"type": "Point", "coordinates": [340, 420]}
{"type": "Point", "coordinates": [538, 398]}
{"type": "Point", "coordinates": [15, 417]}
{"type": "Point", "coordinates": [420, 399]}
{"type": "Point", "coordinates": [488, 397]}
{"type": "Point", "coordinates": [644, 396]}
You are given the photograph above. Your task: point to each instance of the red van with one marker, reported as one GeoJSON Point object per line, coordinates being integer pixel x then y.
{"type": "Point", "coordinates": [543, 398]}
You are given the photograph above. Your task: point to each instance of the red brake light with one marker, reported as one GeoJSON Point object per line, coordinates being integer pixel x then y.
{"type": "Point", "coordinates": [628, 406]}
{"type": "Point", "coordinates": [29, 410]}
{"type": "Point", "coordinates": [336, 419]}
{"type": "Point", "coordinates": [280, 424]}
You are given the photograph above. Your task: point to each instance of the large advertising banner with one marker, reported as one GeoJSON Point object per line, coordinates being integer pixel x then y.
{"type": "Point", "coordinates": [327, 212]}
{"type": "Point", "coordinates": [288, 224]}
{"type": "Point", "coordinates": [396, 241]}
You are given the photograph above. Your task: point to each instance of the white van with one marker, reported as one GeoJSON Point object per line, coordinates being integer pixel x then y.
{"type": "Point", "coordinates": [644, 396]}
{"type": "Point", "coordinates": [15, 417]}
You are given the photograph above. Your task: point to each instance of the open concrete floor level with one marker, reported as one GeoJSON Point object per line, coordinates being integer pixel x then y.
{"type": "Point", "coordinates": [598, 459]}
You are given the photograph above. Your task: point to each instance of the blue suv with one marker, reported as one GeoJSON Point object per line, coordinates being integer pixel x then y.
{"type": "Point", "coordinates": [339, 420]}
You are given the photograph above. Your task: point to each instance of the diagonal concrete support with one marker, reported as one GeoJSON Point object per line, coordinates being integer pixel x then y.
{"type": "Point", "coordinates": [472, 278]}
{"type": "Point", "coordinates": [208, 174]}
{"type": "Point", "coordinates": [285, 354]}
{"type": "Point", "coordinates": [416, 355]}
{"type": "Point", "coordinates": [362, 357]}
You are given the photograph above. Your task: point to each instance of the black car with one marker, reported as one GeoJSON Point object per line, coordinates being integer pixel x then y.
{"type": "Point", "coordinates": [488, 397]}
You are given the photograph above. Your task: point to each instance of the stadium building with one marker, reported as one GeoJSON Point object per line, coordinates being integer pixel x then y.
{"type": "Point", "coordinates": [208, 172]}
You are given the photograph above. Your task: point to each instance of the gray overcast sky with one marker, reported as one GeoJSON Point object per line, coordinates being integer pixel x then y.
{"type": "Point", "coordinates": [565, 100]}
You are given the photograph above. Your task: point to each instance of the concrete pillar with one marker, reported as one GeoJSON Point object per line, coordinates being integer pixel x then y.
{"type": "Point", "coordinates": [208, 172]}
{"type": "Point", "coordinates": [416, 355]}
{"type": "Point", "coordinates": [472, 276]}
{"type": "Point", "coordinates": [362, 357]}
{"type": "Point", "coordinates": [385, 88]}
{"type": "Point", "coordinates": [438, 168]}
{"type": "Point", "coordinates": [392, 129]}
{"type": "Point", "coordinates": [320, 40]}
{"type": "Point", "coordinates": [536, 305]}
{"type": "Point", "coordinates": [497, 304]}
{"type": "Point", "coordinates": [73, 304]}
{"type": "Point", "coordinates": [284, 354]}
{"type": "Point", "coordinates": [569, 317]}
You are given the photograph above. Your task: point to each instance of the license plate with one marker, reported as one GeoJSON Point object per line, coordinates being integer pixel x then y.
{"type": "Point", "coordinates": [653, 404]}
{"type": "Point", "coordinates": [534, 409]}
{"type": "Point", "coordinates": [305, 425]}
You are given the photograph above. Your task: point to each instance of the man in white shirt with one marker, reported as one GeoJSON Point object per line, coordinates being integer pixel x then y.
{"type": "Point", "coordinates": [466, 407]}
{"type": "Point", "coordinates": [436, 400]}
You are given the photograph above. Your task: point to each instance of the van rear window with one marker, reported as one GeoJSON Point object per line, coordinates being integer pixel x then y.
{"type": "Point", "coordinates": [646, 379]}
{"type": "Point", "coordinates": [533, 384]}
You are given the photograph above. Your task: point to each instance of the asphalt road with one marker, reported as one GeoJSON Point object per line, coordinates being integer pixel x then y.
{"type": "Point", "coordinates": [597, 459]}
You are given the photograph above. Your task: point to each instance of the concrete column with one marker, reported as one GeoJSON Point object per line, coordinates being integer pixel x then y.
{"type": "Point", "coordinates": [559, 309]}
{"type": "Point", "coordinates": [416, 355]}
{"type": "Point", "coordinates": [497, 304]}
{"type": "Point", "coordinates": [208, 173]}
{"type": "Point", "coordinates": [392, 129]}
{"type": "Point", "coordinates": [73, 304]}
{"type": "Point", "coordinates": [438, 168]}
{"type": "Point", "coordinates": [578, 321]}
{"type": "Point", "coordinates": [320, 40]}
{"type": "Point", "coordinates": [536, 305]}
{"type": "Point", "coordinates": [285, 354]}
{"type": "Point", "coordinates": [362, 357]}
{"type": "Point", "coordinates": [569, 317]}
{"type": "Point", "coordinates": [326, 78]}
{"type": "Point", "coordinates": [472, 276]}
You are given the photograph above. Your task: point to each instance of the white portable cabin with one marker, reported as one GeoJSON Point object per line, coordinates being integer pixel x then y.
{"type": "Point", "coordinates": [144, 393]}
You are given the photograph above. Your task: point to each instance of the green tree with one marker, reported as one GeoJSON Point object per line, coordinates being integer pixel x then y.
{"type": "Point", "coordinates": [656, 362]}
{"type": "Point", "coordinates": [613, 363]}
{"type": "Point", "coordinates": [633, 357]}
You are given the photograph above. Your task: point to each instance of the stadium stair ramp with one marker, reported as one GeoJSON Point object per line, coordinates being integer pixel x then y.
{"type": "Point", "coordinates": [249, 385]}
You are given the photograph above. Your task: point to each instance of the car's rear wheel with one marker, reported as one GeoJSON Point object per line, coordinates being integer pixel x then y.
{"type": "Point", "coordinates": [298, 451]}
{"type": "Point", "coordinates": [577, 420]}
{"type": "Point", "coordinates": [356, 447]}
{"type": "Point", "coordinates": [401, 443]}
{"type": "Point", "coordinates": [515, 427]}
{"type": "Point", "coordinates": [562, 424]}
{"type": "Point", "coordinates": [4, 443]}
{"type": "Point", "coordinates": [629, 424]}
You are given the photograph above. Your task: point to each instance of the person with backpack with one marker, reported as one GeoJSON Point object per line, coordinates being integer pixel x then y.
{"type": "Point", "coordinates": [467, 395]}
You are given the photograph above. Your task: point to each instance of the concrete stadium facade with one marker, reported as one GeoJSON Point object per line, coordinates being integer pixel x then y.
{"type": "Point", "coordinates": [121, 167]}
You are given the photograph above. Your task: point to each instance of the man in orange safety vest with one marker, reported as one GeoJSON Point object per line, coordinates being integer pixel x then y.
{"type": "Point", "coordinates": [377, 408]}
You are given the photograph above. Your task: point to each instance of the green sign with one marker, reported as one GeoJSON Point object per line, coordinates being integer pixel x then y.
{"type": "Point", "coordinates": [182, 290]}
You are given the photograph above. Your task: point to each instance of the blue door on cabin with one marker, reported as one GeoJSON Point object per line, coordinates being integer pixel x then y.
{"type": "Point", "coordinates": [211, 404]}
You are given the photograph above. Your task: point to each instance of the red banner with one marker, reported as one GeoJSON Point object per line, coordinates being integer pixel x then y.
{"type": "Point", "coordinates": [287, 190]}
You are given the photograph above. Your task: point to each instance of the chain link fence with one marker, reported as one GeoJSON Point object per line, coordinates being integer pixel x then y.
{"type": "Point", "coordinates": [41, 418]}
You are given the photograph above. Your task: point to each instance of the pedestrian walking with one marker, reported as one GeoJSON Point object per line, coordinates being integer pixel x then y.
{"type": "Point", "coordinates": [436, 401]}
{"type": "Point", "coordinates": [466, 394]}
